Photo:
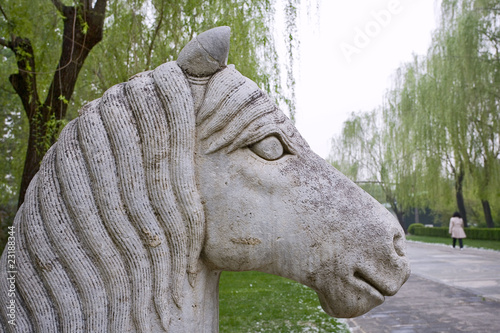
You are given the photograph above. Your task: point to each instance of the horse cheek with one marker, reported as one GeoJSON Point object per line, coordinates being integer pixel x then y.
{"type": "Point", "coordinates": [237, 220]}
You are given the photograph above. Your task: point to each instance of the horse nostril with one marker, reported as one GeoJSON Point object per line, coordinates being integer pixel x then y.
{"type": "Point", "coordinates": [399, 244]}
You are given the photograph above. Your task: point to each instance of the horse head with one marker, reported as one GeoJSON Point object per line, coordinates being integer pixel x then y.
{"type": "Point", "coordinates": [272, 205]}
{"type": "Point", "coordinates": [171, 178]}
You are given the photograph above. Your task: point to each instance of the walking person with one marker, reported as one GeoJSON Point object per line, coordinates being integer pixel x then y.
{"type": "Point", "coordinates": [456, 229]}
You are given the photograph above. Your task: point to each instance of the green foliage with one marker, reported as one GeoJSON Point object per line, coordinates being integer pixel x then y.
{"type": "Point", "coordinates": [39, 22]}
{"type": "Point", "coordinates": [456, 94]}
{"type": "Point", "coordinates": [413, 226]}
{"type": "Point", "coordinates": [53, 128]}
{"type": "Point", "coordinates": [12, 151]}
{"type": "Point", "coordinates": [142, 34]}
{"type": "Point", "coordinates": [367, 152]}
{"type": "Point", "coordinates": [19, 20]}
{"type": "Point", "coordinates": [259, 302]}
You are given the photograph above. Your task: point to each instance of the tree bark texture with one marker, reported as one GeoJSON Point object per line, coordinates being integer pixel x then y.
{"type": "Point", "coordinates": [487, 214]}
{"type": "Point", "coordinates": [83, 29]}
{"type": "Point", "coordinates": [460, 196]}
{"type": "Point", "coordinates": [399, 213]}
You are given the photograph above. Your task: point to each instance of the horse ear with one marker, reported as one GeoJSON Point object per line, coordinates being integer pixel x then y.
{"type": "Point", "coordinates": [207, 53]}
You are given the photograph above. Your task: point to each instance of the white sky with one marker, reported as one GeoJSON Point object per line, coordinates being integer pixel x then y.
{"type": "Point", "coordinates": [332, 83]}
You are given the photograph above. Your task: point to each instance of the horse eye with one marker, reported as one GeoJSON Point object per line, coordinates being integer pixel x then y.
{"type": "Point", "coordinates": [269, 148]}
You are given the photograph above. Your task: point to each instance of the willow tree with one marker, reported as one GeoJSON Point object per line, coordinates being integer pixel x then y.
{"type": "Point", "coordinates": [477, 29]}
{"type": "Point", "coordinates": [441, 119]}
{"type": "Point", "coordinates": [462, 94]}
{"type": "Point", "coordinates": [142, 34]}
{"type": "Point", "coordinates": [396, 148]}
{"type": "Point", "coordinates": [366, 153]}
{"type": "Point", "coordinates": [416, 129]}
{"type": "Point", "coordinates": [51, 40]}
{"type": "Point", "coordinates": [447, 105]}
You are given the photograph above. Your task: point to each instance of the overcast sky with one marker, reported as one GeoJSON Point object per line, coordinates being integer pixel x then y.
{"type": "Point", "coordinates": [348, 55]}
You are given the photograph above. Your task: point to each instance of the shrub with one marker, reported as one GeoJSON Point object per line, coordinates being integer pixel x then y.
{"type": "Point", "coordinates": [472, 233]}
{"type": "Point", "coordinates": [433, 232]}
{"type": "Point", "coordinates": [483, 233]}
{"type": "Point", "coordinates": [413, 226]}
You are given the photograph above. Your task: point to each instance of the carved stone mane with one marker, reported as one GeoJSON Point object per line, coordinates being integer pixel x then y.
{"type": "Point", "coordinates": [113, 221]}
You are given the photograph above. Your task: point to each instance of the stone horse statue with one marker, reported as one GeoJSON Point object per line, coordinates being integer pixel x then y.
{"type": "Point", "coordinates": [172, 177]}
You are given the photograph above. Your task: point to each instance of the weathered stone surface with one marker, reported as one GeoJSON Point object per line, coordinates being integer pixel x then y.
{"type": "Point", "coordinates": [169, 179]}
{"type": "Point", "coordinates": [206, 53]}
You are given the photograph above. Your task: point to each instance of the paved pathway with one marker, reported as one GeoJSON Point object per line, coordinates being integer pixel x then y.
{"type": "Point", "coordinates": [449, 291]}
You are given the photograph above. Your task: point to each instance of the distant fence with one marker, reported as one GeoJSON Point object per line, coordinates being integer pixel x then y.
{"type": "Point", "coordinates": [472, 233]}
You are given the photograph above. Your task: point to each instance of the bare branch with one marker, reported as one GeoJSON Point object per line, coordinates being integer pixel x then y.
{"type": "Point", "coordinates": [3, 13]}
{"type": "Point", "coordinates": [153, 38]}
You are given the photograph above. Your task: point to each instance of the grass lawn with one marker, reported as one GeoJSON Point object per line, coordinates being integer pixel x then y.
{"type": "Point", "coordinates": [259, 302]}
{"type": "Point", "coordinates": [476, 243]}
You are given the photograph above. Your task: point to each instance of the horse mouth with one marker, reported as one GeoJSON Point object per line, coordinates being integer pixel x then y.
{"type": "Point", "coordinates": [360, 295]}
{"type": "Point", "coordinates": [375, 289]}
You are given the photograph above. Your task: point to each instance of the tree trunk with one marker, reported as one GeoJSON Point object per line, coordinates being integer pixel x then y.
{"type": "Point", "coordinates": [83, 29]}
{"type": "Point", "coordinates": [399, 215]}
{"type": "Point", "coordinates": [487, 214]}
{"type": "Point", "coordinates": [397, 211]}
{"type": "Point", "coordinates": [34, 155]}
{"type": "Point", "coordinates": [24, 83]}
{"type": "Point", "coordinates": [460, 197]}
